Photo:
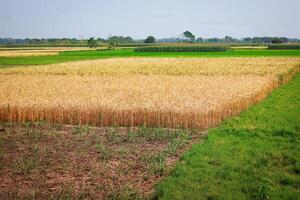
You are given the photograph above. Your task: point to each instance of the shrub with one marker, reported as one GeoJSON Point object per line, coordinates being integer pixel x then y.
{"type": "Point", "coordinates": [150, 39]}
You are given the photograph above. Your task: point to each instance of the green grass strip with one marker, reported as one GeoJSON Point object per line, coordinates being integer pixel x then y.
{"type": "Point", "coordinates": [93, 54]}
{"type": "Point", "coordinates": [182, 49]}
{"type": "Point", "coordinates": [253, 156]}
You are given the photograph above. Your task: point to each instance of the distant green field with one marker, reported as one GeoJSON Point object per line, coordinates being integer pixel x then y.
{"type": "Point", "coordinates": [93, 54]}
{"type": "Point", "coordinates": [253, 156]}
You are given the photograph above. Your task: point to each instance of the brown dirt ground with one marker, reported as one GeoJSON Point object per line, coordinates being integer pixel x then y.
{"type": "Point", "coordinates": [42, 161]}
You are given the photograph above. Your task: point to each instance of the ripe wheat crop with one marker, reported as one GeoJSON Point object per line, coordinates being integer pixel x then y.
{"type": "Point", "coordinates": [21, 52]}
{"type": "Point", "coordinates": [168, 101]}
{"type": "Point", "coordinates": [140, 91]}
{"type": "Point", "coordinates": [277, 66]}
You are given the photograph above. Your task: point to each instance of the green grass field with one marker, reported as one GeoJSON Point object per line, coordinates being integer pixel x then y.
{"type": "Point", "coordinates": [253, 156]}
{"type": "Point", "coordinates": [89, 55]}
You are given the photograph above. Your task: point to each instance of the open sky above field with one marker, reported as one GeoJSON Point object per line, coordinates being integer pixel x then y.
{"type": "Point", "coordinates": [140, 18]}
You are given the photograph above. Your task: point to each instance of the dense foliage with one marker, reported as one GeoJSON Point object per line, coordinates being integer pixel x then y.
{"type": "Point", "coordinates": [187, 36]}
{"type": "Point", "coordinates": [150, 39]}
{"type": "Point", "coordinates": [284, 47]}
{"type": "Point", "coordinates": [120, 39]}
{"type": "Point", "coordinates": [92, 42]}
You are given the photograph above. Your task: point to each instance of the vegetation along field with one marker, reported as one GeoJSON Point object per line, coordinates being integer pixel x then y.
{"type": "Point", "coordinates": [66, 56]}
{"type": "Point", "coordinates": [111, 124]}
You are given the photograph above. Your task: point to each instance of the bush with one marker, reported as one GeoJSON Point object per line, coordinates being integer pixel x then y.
{"type": "Point", "coordinates": [182, 49]}
{"type": "Point", "coordinates": [284, 46]}
{"type": "Point", "coordinates": [150, 39]}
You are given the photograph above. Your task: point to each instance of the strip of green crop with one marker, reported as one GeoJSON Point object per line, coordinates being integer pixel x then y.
{"type": "Point", "coordinates": [284, 46]}
{"type": "Point", "coordinates": [182, 49]}
{"type": "Point", "coordinates": [253, 156]}
{"type": "Point", "coordinates": [89, 55]}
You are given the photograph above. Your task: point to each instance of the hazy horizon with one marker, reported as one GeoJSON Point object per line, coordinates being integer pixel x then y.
{"type": "Point", "coordinates": [139, 18]}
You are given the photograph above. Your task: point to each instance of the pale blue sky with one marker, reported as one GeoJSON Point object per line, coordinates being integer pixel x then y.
{"type": "Point", "coordinates": [140, 18]}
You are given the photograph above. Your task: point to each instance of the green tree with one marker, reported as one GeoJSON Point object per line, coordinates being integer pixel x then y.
{"type": "Point", "coordinates": [188, 35]}
{"type": "Point", "coordinates": [228, 39]}
{"type": "Point", "coordinates": [278, 40]}
{"type": "Point", "coordinates": [200, 40]}
{"type": "Point", "coordinates": [121, 39]}
{"type": "Point", "coordinates": [112, 43]}
{"type": "Point", "coordinates": [92, 42]}
{"type": "Point", "coordinates": [150, 39]}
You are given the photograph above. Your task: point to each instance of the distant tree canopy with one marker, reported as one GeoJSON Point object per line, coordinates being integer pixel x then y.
{"type": "Point", "coordinates": [200, 40]}
{"type": "Point", "coordinates": [43, 42]}
{"type": "Point", "coordinates": [121, 39]}
{"type": "Point", "coordinates": [92, 42]}
{"type": "Point", "coordinates": [279, 40]}
{"type": "Point", "coordinates": [248, 40]}
{"type": "Point", "coordinates": [115, 40]}
{"type": "Point", "coordinates": [150, 39]}
{"type": "Point", "coordinates": [229, 39]}
{"type": "Point", "coordinates": [214, 40]}
{"type": "Point", "coordinates": [266, 40]}
{"type": "Point", "coordinates": [188, 35]}
{"type": "Point", "coordinates": [101, 40]}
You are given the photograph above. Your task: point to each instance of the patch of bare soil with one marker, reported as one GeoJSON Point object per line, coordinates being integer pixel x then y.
{"type": "Point", "coordinates": [42, 161]}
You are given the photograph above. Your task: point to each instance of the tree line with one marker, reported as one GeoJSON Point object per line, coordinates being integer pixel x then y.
{"type": "Point", "coordinates": [190, 37]}
{"type": "Point", "coordinates": [114, 41]}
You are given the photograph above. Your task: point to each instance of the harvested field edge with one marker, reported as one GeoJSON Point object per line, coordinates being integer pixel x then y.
{"type": "Point", "coordinates": [134, 171]}
{"type": "Point", "coordinates": [107, 117]}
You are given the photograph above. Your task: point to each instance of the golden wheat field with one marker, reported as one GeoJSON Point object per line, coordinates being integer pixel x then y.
{"type": "Point", "coordinates": [22, 53]}
{"type": "Point", "coordinates": [165, 66]}
{"type": "Point", "coordinates": [129, 100]}
{"type": "Point", "coordinates": [41, 51]}
{"type": "Point", "coordinates": [140, 91]}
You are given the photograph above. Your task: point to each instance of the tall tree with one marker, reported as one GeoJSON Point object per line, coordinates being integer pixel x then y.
{"type": "Point", "coordinates": [92, 42]}
{"type": "Point", "coordinates": [150, 39]}
{"type": "Point", "coordinates": [189, 35]}
{"type": "Point", "coordinates": [113, 42]}
{"type": "Point", "coordinates": [228, 39]}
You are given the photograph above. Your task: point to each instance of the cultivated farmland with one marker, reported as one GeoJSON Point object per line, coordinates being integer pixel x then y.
{"type": "Point", "coordinates": [123, 122]}
{"type": "Point", "coordinates": [165, 66]}
{"type": "Point", "coordinates": [171, 93]}
{"type": "Point", "coordinates": [22, 53]}
{"type": "Point", "coordinates": [25, 52]}
{"type": "Point", "coordinates": [163, 101]}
